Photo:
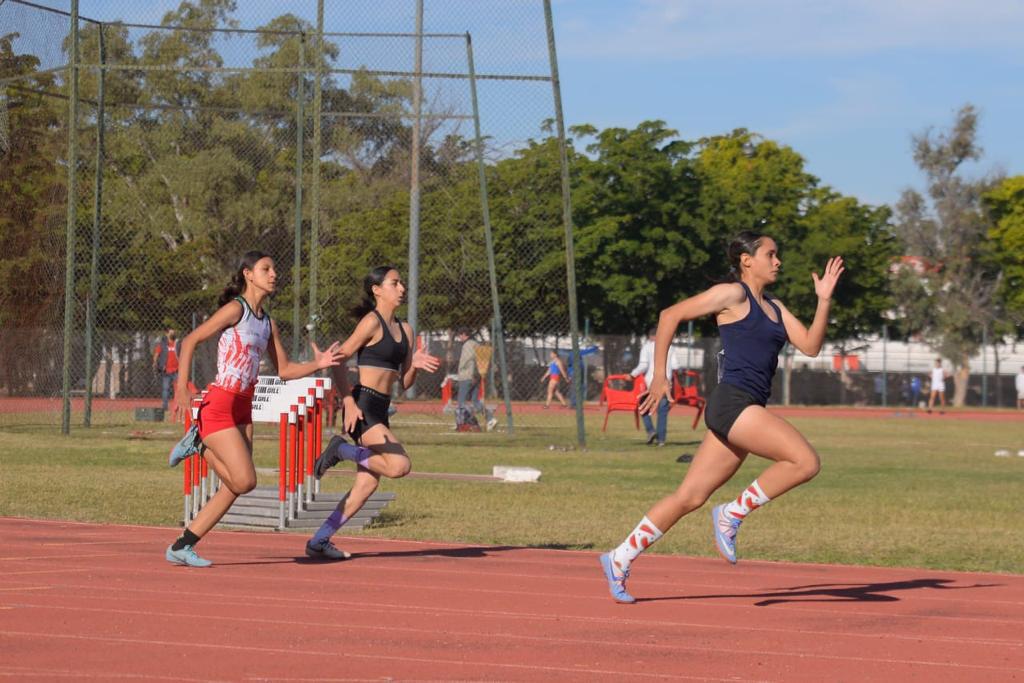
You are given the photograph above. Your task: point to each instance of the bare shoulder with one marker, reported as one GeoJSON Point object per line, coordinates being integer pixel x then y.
{"type": "Point", "coordinates": [727, 294]}
{"type": "Point", "coordinates": [777, 301]}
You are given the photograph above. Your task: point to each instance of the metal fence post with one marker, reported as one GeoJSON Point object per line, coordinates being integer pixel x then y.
{"type": "Point", "coordinates": [570, 252]}
{"type": "Point", "coordinates": [97, 217]}
{"type": "Point", "coordinates": [300, 125]}
{"type": "Point", "coordinates": [69, 259]}
{"type": "Point", "coordinates": [499, 332]}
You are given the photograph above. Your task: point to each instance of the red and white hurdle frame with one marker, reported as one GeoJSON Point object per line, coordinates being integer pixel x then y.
{"type": "Point", "coordinates": [297, 408]}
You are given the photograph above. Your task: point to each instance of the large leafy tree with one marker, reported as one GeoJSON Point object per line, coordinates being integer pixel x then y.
{"type": "Point", "coordinates": [1005, 204]}
{"type": "Point", "coordinates": [33, 184]}
{"type": "Point", "coordinates": [951, 295]}
{"type": "Point", "coordinates": [633, 251]}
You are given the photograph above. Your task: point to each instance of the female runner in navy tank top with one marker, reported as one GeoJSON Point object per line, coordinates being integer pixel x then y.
{"type": "Point", "coordinates": [384, 347]}
{"type": "Point", "coordinates": [754, 327]}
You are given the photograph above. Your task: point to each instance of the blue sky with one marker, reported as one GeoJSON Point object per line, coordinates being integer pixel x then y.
{"type": "Point", "coordinates": [844, 82]}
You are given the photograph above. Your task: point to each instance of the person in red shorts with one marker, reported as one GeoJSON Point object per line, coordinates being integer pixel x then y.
{"type": "Point", "coordinates": [225, 414]}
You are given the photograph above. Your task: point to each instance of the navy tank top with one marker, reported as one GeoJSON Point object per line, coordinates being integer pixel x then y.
{"type": "Point", "coordinates": [751, 349]}
{"type": "Point", "coordinates": [387, 353]}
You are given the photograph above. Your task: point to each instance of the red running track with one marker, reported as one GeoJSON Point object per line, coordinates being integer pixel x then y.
{"type": "Point", "coordinates": [87, 601]}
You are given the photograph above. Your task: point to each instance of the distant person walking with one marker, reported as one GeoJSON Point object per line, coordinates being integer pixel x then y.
{"type": "Point", "coordinates": [938, 388]}
{"type": "Point", "coordinates": [754, 327]}
{"type": "Point", "coordinates": [556, 371]}
{"type": "Point", "coordinates": [1019, 381]}
{"type": "Point", "coordinates": [165, 362]}
{"type": "Point", "coordinates": [468, 378]}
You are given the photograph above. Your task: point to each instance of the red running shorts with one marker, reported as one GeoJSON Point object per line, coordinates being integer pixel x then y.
{"type": "Point", "coordinates": [222, 409]}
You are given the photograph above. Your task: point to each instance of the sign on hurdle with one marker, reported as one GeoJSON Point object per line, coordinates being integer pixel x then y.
{"type": "Point", "coordinates": [297, 407]}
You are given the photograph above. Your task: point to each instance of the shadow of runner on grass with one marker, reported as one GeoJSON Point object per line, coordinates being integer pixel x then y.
{"type": "Point", "coordinates": [834, 592]}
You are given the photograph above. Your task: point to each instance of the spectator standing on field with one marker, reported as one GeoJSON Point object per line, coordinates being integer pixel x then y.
{"type": "Point", "coordinates": [165, 362]}
{"type": "Point", "coordinates": [938, 389]}
{"type": "Point", "coordinates": [1020, 388]}
{"type": "Point", "coordinates": [915, 390]}
{"type": "Point", "coordinates": [645, 367]}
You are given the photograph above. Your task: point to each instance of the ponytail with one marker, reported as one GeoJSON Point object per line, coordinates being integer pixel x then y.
{"type": "Point", "coordinates": [236, 286]}
{"type": "Point", "coordinates": [374, 278]}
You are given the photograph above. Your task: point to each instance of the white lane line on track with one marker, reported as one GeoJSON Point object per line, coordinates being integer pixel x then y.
{"type": "Point", "coordinates": [215, 599]}
{"type": "Point", "coordinates": [192, 645]}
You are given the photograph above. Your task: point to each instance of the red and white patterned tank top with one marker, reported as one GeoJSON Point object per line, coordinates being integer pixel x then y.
{"type": "Point", "coordinates": [239, 351]}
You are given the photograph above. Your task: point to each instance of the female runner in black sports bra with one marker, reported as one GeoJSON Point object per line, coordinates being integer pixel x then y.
{"type": "Point", "coordinates": [384, 349]}
{"type": "Point", "coordinates": [754, 326]}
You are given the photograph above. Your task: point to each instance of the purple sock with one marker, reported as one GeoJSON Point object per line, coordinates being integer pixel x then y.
{"type": "Point", "coordinates": [357, 454]}
{"type": "Point", "coordinates": [331, 525]}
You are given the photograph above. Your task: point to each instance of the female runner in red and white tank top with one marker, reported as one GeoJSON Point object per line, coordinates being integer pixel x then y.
{"type": "Point", "coordinates": [225, 415]}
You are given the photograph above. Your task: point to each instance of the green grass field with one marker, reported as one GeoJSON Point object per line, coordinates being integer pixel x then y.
{"type": "Point", "coordinates": [892, 492]}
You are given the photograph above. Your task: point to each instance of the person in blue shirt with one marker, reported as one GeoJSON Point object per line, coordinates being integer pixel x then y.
{"type": "Point", "coordinates": [915, 390]}
{"type": "Point", "coordinates": [556, 371]}
{"type": "Point", "coordinates": [753, 326]}
{"type": "Point", "coordinates": [584, 352]}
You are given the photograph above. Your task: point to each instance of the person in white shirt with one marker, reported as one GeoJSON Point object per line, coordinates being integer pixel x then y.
{"type": "Point", "coordinates": [645, 367]}
{"type": "Point", "coordinates": [1020, 389]}
{"type": "Point", "coordinates": [938, 390]}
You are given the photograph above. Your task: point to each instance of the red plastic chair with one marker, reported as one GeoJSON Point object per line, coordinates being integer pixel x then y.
{"type": "Point", "coordinates": [689, 395]}
{"type": "Point", "coordinates": [621, 392]}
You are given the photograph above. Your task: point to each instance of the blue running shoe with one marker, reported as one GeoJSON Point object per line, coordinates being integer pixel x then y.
{"type": "Point", "coordinates": [189, 444]}
{"type": "Point", "coordinates": [726, 527]}
{"type": "Point", "coordinates": [616, 583]}
{"type": "Point", "coordinates": [186, 556]}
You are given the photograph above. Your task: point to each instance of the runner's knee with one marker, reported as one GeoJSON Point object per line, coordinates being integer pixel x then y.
{"type": "Point", "coordinates": [241, 484]}
{"type": "Point", "coordinates": [687, 500]}
{"type": "Point", "coordinates": [398, 468]}
{"type": "Point", "coordinates": [808, 464]}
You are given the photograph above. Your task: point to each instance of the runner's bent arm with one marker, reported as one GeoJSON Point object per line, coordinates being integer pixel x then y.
{"type": "Point", "coordinates": [415, 359]}
{"type": "Point", "coordinates": [288, 369]}
{"type": "Point", "coordinates": [713, 300]}
{"type": "Point", "coordinates": [226, 316]}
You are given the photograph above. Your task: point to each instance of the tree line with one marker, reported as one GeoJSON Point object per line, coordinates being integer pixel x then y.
{"type": "Point", "coordinates": [201, 165]}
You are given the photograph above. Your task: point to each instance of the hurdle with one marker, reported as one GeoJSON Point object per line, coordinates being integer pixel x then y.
{"type": "Point", "coordinates": [296, 406]}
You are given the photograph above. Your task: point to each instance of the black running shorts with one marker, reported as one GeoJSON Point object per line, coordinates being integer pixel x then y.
{"type": "Point", "coordinates": [724, 406]}
{"type": "Point", "coordinates": [374, 406]}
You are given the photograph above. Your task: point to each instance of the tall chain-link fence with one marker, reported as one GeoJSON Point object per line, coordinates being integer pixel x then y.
{"type": "Point", "coordinates": [331, 136]}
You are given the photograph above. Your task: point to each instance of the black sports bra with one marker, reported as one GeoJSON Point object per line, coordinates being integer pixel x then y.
{"type": "Point", "coordinates": [387, 353]}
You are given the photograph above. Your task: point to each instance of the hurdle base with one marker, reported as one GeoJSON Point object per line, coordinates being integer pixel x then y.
{"type": "Point", "coordinates": [260, 509]}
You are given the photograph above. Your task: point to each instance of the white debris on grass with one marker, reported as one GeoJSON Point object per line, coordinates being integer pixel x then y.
{"type": "Point", "coordinates": [516, 474]}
